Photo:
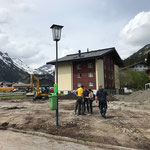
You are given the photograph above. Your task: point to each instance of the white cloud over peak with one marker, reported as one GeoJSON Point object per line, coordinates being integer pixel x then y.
{"type": "Point", "coordinates": [137, 32]}
{"type": "Point", "coordinates": [25, 27]}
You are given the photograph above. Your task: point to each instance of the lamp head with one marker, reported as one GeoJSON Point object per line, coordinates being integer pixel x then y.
{"type": "Point", "coordinates": [56, 31]}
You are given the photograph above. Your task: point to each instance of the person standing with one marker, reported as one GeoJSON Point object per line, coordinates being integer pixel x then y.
{"type": "Point", "coordinates": [103, 98]}
{"type": "Point", "coordinates": [76, 104]}
{"type": "Point", "coordinates": [86, 101]}
{"type": "Point", "coordinates": [91, 99]}
{"type": "Point", "coordinates": [80, 101]}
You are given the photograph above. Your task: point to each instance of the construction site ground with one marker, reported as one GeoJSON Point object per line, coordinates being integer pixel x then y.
{"type": "Point", "coordinates": [127, 123]}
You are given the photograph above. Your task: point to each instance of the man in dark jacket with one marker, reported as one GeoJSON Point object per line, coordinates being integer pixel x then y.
{"type": "Point", "coordinates": [103, 98]}
{"type": "Point", "coordinates": [86, 101]}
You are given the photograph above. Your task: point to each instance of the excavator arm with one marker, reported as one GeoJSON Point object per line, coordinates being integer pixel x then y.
{"type": "Point", "coordinates": [38, 93]}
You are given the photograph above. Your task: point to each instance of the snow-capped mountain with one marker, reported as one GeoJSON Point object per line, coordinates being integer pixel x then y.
{"type": "Point", "coordinates": [5, 58]}
{"type": "Point", "coordinates": [14, 70]}
{"type": "Point", "coordinates": [45, 69]}
{"type": "Point", "coordinates": [20, 64]}
{"type": "Point", "coordinates": [9, 71]}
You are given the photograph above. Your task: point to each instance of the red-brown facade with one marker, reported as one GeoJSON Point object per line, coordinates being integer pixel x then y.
{"type": "Point", "coordinates": [109, 72]}
{"type": "Point", "coordinates": [84, 73]}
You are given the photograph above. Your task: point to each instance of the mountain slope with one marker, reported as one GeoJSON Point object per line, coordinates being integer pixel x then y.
{"type": "Point", "coordinates": [45, 69]}
{"type": "Point", "coordinates": [15, 70]}
{"type": "Point", "coordinates": [138, 56]}
{"type": "Point", "coordinates": [20, 64]}
{"type": "Point", "coordinates": [9, 72]}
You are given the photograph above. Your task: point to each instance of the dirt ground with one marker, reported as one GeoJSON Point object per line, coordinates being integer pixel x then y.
{"type": "Point", "coordinates": [17, 141]}
{"type": "Point", "coordinates": [127, 122]}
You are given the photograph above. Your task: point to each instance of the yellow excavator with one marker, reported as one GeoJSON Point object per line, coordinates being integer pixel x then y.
{"type": "Point", "coordinates": [38, 94]}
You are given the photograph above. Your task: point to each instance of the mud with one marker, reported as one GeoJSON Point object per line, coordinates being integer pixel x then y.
{"type": "Point", "coordinates": [127, 122]}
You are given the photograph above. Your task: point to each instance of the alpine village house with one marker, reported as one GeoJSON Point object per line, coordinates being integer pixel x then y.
{"type": "Point", "coordinates": [90, 69]}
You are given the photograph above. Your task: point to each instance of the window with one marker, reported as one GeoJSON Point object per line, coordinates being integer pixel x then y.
{"type": "Point", "coordinates": [91, 84]}
{"type": "Point", "coordinates": [79, 84]}
{"type": "Point", "coordinates": [109, 85]}
{"type": "Point", "coordinates": [61, 92]}
{"type": "Point", "coordinates": [90, 74]}
{"type": "Point", "coordinates": [79, 75]}
{"type": "Point", "coordinates": [78, 67]}
{"type": "Point", "coordinates": [90, 65]}
{"type": "Point", "coordinates": [111, 61]}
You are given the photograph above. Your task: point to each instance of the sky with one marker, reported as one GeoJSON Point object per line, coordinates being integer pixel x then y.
{"type": "Point", "coordinates": [94, 24]}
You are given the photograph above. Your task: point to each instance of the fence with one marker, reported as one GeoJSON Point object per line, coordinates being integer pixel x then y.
{"type": "Point", "coordinates": [12, 93]}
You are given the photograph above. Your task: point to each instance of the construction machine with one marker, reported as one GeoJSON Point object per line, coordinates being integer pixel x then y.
{"type": "Point", "coordinates": [39, 93]}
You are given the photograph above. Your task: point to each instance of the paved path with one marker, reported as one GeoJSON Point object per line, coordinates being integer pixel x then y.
{"type": "Point", "coordinates": [18, 141]}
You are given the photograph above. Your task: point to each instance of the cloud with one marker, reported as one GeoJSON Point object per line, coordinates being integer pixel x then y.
{"type": "Point", "coordinates": [25, 32]}
{"type": "Point", "coordinates": [136, 33]}
{"type": "Point", "coordinates": [4, 16]}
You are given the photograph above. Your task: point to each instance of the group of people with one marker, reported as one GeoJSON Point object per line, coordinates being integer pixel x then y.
{"type": "Point", "coordinates": [85, 98]}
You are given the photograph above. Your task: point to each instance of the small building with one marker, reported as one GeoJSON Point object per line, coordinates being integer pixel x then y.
{"type": "Point", "coordinates": [90, 69]}
{"type": "Point", "coordinates": [46, 82]}
{"type": "Point", "coordinates": [5, 84]}
{"type": "Point", "coordinates": [21, 86]}
{"type": "Point", "coordinates": [139, 66]}
{"type": "Point", "coordinates": [1, 84]}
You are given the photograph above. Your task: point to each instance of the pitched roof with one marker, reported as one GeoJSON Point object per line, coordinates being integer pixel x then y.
{"type": "Point", "coordinates": [90, 55]}
{"type": "Point", "coordinates": [133, 65]}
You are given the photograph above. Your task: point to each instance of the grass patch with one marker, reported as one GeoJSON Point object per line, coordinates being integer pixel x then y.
{"type": "Point", "coordinates": [85, 139]}
{"type": "Point", "coordinates": [13, 96]}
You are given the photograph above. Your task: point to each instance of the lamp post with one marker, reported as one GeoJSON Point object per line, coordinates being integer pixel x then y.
{"type": "Point", "coordinates": [56, 32]}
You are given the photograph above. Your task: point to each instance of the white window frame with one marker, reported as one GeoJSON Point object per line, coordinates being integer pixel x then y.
{"type": "Point", "coordinates": [90, 65]}
{"type": "Point", "coordinates": [90, 74]}
{"type": "Point", "coordinates": [78, 66]}
{"type": "Point", "coordinates": [79, 75]}
{"type": "Point", "coordinates": [79, 84]}
{"type": "Point", "coordinates": [91, 84]}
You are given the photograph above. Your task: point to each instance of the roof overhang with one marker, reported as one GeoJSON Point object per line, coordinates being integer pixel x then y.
{"type": "Point", "coordinates": [111, 52]}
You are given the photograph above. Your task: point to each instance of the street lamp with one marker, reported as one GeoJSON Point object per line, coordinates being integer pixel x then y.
{"type": "Point", "coordinates": [56, 31]}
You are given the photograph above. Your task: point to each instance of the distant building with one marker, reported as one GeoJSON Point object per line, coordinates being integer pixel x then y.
{"type": "Point", "coordinates": [21, 85]}
{"type": "Point", "coordinates": [140, 66]}
{"type": "Point", "coordinates": [1, 84]}
{"type": "Point", "coordinates": [46, 82]}
{"type": "Point", "coordinates": [5, 84]}
{"type": "Point", "coordinates": [90, 69]}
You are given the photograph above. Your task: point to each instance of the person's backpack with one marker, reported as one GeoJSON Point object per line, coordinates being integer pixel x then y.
{"type": "Point", "coordinates": [74, 92]}
{"type": "Point", "coordinates": [93, 97]}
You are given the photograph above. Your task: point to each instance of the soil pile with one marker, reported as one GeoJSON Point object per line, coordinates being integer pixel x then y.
{"type": "Point", "coordinates": [138, 96]}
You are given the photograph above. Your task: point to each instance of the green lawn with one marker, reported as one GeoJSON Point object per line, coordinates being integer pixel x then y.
{"type": "Point", "coordinates": [13, 96]}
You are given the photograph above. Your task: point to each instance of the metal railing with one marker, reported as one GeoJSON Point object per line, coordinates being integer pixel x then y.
{"type": "Point", "coordinates": [12, 93]}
